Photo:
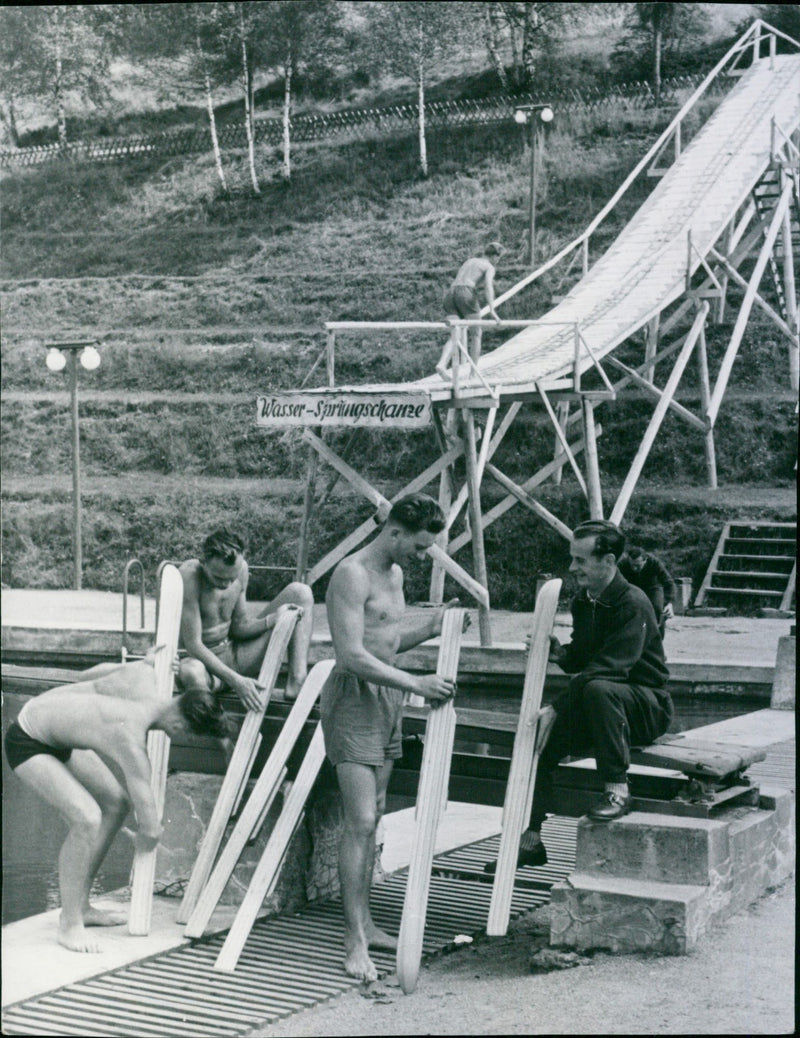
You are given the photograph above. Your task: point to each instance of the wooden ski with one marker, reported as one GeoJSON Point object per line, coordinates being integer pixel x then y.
{"type": "Point", "coordinates": [239, 767]}
{"type": "Point", "coordinates": [263, 880]}
{"type": "Point", "coordinates": [431, 800]}
{"type": "Point", "coordinates": [524, 759]}
{"type": "Point", "coordinates": [264, 790]}
{"type": "Point", "coordinates": [144, 862]}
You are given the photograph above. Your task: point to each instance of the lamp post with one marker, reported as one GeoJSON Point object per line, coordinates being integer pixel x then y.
{"type": "Point", "coordinates": [57, 361]}
{"type": "Point", "coordinates": [535, 116]}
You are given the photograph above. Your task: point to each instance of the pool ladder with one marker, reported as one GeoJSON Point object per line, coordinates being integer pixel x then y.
{"type": "Point", "coordinates": [130, 565]}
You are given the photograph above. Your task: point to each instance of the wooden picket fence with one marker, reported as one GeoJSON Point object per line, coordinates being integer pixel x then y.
{"type": "Point", "coordinates": [356, 123]}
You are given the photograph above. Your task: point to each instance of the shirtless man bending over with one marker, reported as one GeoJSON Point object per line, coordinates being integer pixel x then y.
{"type": "Point", "coordinates": [361, 704]}
{"type": "Point", "coordinates": [225, 643]}
{"type": "Point", "coordinates": [83, 749]}
{"type": "Point", "coordinates": [473, 283]}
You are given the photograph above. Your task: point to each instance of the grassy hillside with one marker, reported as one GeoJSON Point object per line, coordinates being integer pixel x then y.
{"type": "Point", "coordinates": [204, 301]}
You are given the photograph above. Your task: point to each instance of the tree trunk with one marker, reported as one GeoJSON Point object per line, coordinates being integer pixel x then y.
{"type": "Point", "coordinates": [490, 15]}
{"type": "Point", "coordinates": [212, 119]}
{"type": "Point", "coordinates": [657, 40]}
{"type": "Point", "coordinates": [286, 168]}
{"type": "Point", "coordinates": [58, 81]}
{"type": "Point", "coordinates": [530, 27]}
{"type": "Point", "coordinates": [248, 121]}
{"type": "Point", "coordinates": [423, 147]}
{"type": "Point", "coordinates": [8, 116]}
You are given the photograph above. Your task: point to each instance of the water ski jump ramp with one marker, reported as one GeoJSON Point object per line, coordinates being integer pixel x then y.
{"type": "Point", "coordinates": [722, 216]}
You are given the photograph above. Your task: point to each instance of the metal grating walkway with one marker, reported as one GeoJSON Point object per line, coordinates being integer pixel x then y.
{"type": "Point", "coordinates": [288, 962]}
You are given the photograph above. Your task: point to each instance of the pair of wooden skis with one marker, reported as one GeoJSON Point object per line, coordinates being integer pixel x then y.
{"type": "Point", "coordinates": [434, 776]}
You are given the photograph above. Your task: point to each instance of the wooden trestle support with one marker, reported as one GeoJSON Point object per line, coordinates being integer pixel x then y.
{"type": "Point", "coordinates": [752, 236]}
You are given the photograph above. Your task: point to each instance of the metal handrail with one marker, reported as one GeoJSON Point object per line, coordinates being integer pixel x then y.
{"type": "Point", "coordinates": [129, 565]}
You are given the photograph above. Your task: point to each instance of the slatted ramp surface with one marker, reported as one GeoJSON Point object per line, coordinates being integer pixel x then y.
{"type": "Point", "coordinates": [288, 963]}
{"type": "Point", "coordinates": [644, 270]}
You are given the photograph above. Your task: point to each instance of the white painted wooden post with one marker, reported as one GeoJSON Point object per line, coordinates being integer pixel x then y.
{"type": "Point", "coordinates": [144, 862]}
{"type": "Point", "coordinates": [433, 780]}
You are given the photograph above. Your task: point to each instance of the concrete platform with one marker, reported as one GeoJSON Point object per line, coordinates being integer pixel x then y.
{"type": "Point", "coordinates": [699, 649]}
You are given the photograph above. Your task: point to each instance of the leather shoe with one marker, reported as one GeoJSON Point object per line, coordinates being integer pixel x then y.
{"type": "Point", "coordinates": [525, 857]}
{"type": "Point", "coordinates": [609, 807]}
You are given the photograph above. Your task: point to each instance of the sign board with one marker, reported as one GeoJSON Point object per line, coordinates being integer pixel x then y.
{"type": "Point", "coordinates": [351, 409]}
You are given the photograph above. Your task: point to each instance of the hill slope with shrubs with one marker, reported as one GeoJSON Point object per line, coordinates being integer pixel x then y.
{"type": "Point", "coordinates": [204, 300]}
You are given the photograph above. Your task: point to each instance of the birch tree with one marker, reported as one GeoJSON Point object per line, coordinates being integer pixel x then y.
{"type": "Point", "coordinates": [294, 36]}
{"type": "Point", "coordinates": [53, 53]}
{"type": "Point", "coordinates": [410, 39]}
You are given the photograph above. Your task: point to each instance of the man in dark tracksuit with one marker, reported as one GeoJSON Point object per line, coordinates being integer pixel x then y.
{"type": "Point", "coordinates": [617, 696]}
{"type": "Point", "coordinates": [644, 570]}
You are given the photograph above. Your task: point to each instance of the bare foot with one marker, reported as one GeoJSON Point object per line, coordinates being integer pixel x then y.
{"type": "Point", "coordinates": [103, 917]}
{"type": "Point", "coordinates": [76, 939]}
{"type": "Point", "coordinates": [377, 938]}
{"type": "Point", "coordinates": [358, 964]}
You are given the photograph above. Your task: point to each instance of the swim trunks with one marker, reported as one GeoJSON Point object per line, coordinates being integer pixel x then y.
{"type": "Point", "coordinates": [225, 651]}
{"type": "Point", "coordinates": [461, 300]}
{"type": "Point", "coordinates": [21, 747]}
{"type": "Point", "coordinates": [362, 723]}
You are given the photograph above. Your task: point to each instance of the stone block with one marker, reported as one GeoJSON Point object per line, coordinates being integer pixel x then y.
{"type": "Point", "coordinates": [189, 803]}
{"type": "Point", "coordinates": [784, 684]}
{"type": "Point", "coordinates": [625, 915]}
{"type": "Point", "coordinates": [664, 848]}
{"type": "Point", "coordinates": [762, 847]}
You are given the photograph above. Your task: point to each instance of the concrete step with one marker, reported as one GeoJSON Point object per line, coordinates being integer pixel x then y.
{"type": "Point", "coordinates": [626, 915]}
{"type": "Point", "coordinates": [658, 848]}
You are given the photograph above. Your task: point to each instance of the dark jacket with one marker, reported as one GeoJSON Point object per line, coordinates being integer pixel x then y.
{"type": "Point", "coordinates": [652, 575]}
{"type": "Point", "coordinates": [615, 637]}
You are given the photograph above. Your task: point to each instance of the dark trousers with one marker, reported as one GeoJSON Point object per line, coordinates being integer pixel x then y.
{"type": "Point", "coordinates": [602, 719]}
{"type": "Point", "coordinates": [656, 596]}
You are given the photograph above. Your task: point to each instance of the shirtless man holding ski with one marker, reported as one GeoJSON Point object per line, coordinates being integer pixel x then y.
{"type": "Point", "coordinates": [361, 705]}
{"type": "Point", "coordinates": [223, 638]}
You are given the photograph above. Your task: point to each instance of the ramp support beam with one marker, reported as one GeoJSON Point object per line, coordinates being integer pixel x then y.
{"type": "Point", "coordinates": [595, 494]}
{"type": "Point", "coordinates": [658, 416]}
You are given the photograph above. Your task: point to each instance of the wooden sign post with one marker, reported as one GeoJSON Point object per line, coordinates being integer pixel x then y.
{"type": "Point", "coordinates": [431, 799]}
{"type": "Point", "coordinates": [524, 759]}
{"type": "Point", "coordinates": [144, 862]}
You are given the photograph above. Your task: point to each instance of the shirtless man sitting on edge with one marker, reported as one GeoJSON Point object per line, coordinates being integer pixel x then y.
{"type": "Point", "coordinates": [225, 642]}
{"type": "Point", "coordinates": [83, 748]}
{"type": "Point", "coordinates": [361, 704]}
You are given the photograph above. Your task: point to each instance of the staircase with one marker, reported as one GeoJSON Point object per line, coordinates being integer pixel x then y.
{"type": "Point", "coordinates": [753, 567]}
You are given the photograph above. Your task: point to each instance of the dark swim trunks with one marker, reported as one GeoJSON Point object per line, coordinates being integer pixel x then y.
{"type": "Point", "coordinates": [362, 723]}
{"type": "Point", "coordinates": [461, 300]}
{"type": "Point", "coordinates": [21, 747]}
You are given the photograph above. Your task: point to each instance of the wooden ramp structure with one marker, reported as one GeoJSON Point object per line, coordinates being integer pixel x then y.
{"type": "Point", "coordinates": [722, 216]}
